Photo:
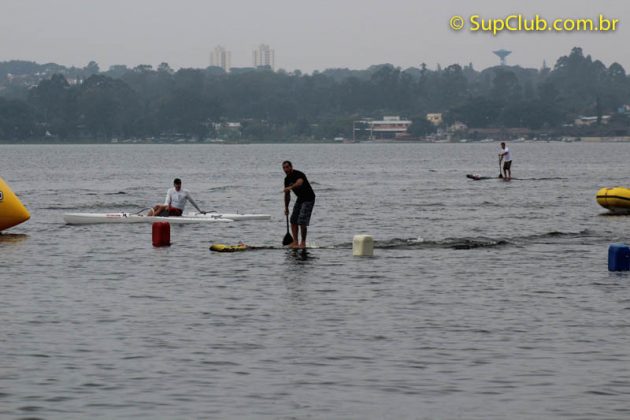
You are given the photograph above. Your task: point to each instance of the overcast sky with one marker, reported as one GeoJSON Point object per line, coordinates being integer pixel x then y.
{"type": "Point", "coordinates": [306, 35]}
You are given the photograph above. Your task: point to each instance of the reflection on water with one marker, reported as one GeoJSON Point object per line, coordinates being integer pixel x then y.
{"type": "Point", "coordinates": [298, 255]}
{"type": "Point", "coordinates": [7, 238]}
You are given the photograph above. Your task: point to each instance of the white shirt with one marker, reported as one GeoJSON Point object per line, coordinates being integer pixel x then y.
{"type": "Point", "coordinates": [507, 156]}
{"type": "Point", "coordinates": [178, 199]}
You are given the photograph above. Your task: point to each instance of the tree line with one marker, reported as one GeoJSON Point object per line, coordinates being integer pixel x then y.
{"type": "Point", "coordinates": [144, 102]}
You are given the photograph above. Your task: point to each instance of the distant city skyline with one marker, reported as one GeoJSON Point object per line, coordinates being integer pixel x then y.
{"type": "Point", "coordinates": [307, 35]}
{"type": "Point", "coordinates": [264, 55]}
{"type": "Point", "coordinates": [220, 57]}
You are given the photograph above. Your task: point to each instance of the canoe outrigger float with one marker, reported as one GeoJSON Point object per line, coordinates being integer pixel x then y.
{"type": "Point", "coordinates": [228, 248]}
{"type": "Point", "coordinates": [94, 218]}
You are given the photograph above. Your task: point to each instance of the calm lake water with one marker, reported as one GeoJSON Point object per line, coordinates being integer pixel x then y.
{"type": "Point", "coordinates": [484, 300]}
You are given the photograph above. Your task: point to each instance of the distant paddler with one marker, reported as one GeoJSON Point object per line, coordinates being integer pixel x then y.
{"type": "Point", "coordinates": [506, 157]}
{"type": "Point", "coordinates": [297, 182]}
{"type": "Point", "coordinates": [175, 201]}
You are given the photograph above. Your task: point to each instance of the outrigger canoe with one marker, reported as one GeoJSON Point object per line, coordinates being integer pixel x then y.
{"type": "Point", "coordinates": [94, 218]}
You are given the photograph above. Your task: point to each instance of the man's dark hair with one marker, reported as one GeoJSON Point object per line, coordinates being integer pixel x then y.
{"type": "Point", "coordinates": [177, 181]}
{"type": "Point", "coordinates": [287, 162]}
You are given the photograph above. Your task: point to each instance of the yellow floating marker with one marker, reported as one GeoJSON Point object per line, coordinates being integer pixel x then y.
{"type": "Point", "coordinates": [12, 211]}
{"type": "Point", "coordinates": [228, 248]}
{"type": "Point", "coordinates": [615, 199]}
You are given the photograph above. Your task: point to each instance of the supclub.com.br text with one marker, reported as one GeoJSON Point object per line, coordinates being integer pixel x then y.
{"type": "Point", "coordinates": [520, 23]}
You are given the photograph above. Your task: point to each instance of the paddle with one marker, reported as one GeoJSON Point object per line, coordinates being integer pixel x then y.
{"type": "Point", "coordinates": [500, 169]}
{"type": "Point", "coordinates": [287, 238]}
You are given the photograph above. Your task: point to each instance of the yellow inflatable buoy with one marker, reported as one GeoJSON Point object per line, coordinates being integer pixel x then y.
{"type": "Point", "coordinates": [12, 211]}
{"type": "Point", "coordinates": [228, 248]}
{"type": "Point", "coordinates": [615, 199]}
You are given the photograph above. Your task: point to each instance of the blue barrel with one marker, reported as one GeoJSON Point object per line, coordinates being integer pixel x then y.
{"type": "Point", "coordinates": [618, 257]}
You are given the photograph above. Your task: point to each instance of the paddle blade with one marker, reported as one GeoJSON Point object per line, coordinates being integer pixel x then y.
{"type": "Point", "coordinates": [287, 239]}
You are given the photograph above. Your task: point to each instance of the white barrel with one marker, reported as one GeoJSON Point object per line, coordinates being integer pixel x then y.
{"type": "Point", "coordinates": [363, 246]}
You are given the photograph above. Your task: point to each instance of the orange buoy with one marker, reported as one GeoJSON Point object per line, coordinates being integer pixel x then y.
{"type": "Point", "coordinates": [161, 234]}
{"type": "Point", "coordinates": [12, 211]}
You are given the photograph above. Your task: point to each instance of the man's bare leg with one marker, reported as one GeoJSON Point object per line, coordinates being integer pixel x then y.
{"type": "Point", "coordinates": [157, 210]}
{"type": "Point", "coordinates": [294, 233]}
{"type": "Point", "coordinates": [303, 230]}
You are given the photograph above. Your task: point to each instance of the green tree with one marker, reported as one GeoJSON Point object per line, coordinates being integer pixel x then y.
{"type": "Point", "coordinates": [506, 87]}
{"type": "Point", "coordinates": [53, 100]}
{"type": "Point", "coordinates": [108, 107]}
{"type": "Point", "coordinates": [91, 69]}
{"type": "Point", "coordinates": [420, 127]}
{"type": "Point", "coordinates": [17, 121]}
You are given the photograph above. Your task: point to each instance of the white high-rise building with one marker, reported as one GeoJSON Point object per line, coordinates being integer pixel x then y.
{"type": "Point", "coordinates": [220, 57]}
{"type": "Point", "coordinates": [264, 56]}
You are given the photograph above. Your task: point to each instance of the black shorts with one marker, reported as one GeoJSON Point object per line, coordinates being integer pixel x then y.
{"type": "Point", "coordinates": [507, 165]}
{"type": "Point", "coordinates": [301, 214]}
{"type": "Point", "coordinates": [170, 211]}
{"type": "Point", "coordinates": [174, 211]}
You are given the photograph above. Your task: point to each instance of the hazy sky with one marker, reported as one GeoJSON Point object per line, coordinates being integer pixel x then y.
{"type": "Point", "coordinates": [306, 35]}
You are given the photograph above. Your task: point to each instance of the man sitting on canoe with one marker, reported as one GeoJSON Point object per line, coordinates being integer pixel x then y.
{"type": "Point", "coordinates": [175, 202]}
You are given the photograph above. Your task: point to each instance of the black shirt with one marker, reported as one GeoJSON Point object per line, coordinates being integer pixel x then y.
{"type": "Point", "coordinates": [304, 192]}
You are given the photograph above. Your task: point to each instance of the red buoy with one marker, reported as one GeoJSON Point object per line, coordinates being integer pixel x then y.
{"type": "Point", "coordinates": [161, 234]}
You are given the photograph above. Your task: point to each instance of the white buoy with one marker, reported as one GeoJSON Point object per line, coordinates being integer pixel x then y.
{"type": "Point", "coordinates": [362, 246]}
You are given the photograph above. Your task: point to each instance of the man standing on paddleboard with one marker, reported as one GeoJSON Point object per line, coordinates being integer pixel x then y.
{"type": "Point", "coordinates": [506, 156]}
{"type": "Point", "coordinates": [300, 217]}
{"type": "Point", "coordinates": [175, 201]}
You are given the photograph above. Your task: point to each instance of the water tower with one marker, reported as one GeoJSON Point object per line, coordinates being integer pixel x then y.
{"type": "Point", "coordinates": [502, 54]}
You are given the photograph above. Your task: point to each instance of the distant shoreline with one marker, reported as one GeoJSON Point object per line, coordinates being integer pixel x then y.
{"type": "Point", "coordinates": [617, 139]}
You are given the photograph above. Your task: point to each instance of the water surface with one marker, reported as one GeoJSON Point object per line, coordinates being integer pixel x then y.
{"type": "Point", "coordinates": [484, 300]}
